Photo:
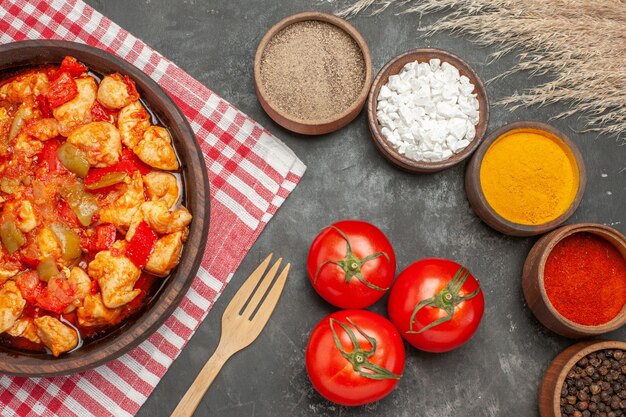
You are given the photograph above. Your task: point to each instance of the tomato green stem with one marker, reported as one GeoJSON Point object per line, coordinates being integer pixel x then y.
{"type": "Point", "coordinates": [351, 264]}
{"type": "Point", "coordinates": [447, 299]}
{"type": "Point", "coordinates": [358, 357]}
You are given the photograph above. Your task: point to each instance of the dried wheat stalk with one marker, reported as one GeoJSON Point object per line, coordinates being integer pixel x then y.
{"type": "Point", "coordinates": [580, 43]}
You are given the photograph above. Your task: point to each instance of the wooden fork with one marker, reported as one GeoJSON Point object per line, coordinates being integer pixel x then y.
{"type": "Point", "coordinates": [242, 322]}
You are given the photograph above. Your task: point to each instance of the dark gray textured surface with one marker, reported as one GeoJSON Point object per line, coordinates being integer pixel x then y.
{"type": "Point", "coordinates": [498, 372]}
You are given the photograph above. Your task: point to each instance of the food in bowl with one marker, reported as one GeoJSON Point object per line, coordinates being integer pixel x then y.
{"type": "Point", "coordinates": [91, 213]}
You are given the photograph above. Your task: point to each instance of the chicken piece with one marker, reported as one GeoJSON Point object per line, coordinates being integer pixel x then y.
{"type": "Point", "coordinates": [116, 276]}
{"type": "Point", "coordinates": [57, 337]}
{"type": "Point", "coordinates": [48, 244]}
{"type": "Point", "coordinates": [121, 212]}
{"type": "Point", "coordinates": [26, 328]}
{"type": "Point", "coordinates": [27, 146]}
{"type": "Point", "coordinates": [25, 217]}
{"type": "Point", "coordinates": [113, 92]}
{"type": "Point", "coordinates": [81, 284]}
{"type": "Point", "coordinates": [100, 141]}
{"type": "Point", "coordinates": [155, 149]}
{"type": "Point", "coordinates": [160, 218]}
{"type": "Point", "coordinates": [11, 305]}
{"type": "Point", "coordinates": [166, 254]}
{"type": "Point", "coordinates": [161, 186]}
{"type": "Point", "coordinates": [77, 111]}
{"type": "Point", "coordinates": [8, 266]}
{"type": "Point", "coordinates": [94, 313]}
{"type": "Point", "coordinates": [42, 129]}
{"type": "Point", "coordinates": [23, 86]}
{"type": "Point", "coordinates": [132, 121]}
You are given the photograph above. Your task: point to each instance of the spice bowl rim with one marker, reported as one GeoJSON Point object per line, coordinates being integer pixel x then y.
{"type": "Point", "coordinates": [554, 376]}
{"type": "Point", "coordinates": [533, 281]}
{"type": "Point", "coordinates": [393, 67]}
{"type": "Point", "coordinates": [485, 211]}
{"type": "Point", "coordinates": [306, 126]}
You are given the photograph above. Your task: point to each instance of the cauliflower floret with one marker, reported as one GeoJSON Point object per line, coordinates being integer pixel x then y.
{"type": "Point", "coordinates": [121, 212]}
{"type": "Point", "coordinates": [132, 121]}
{"type": "Point", "coordinates": [100, 141]}
{"type": "Point", "coordinates": [11, 305]}
{"type": "Point", "coordinates": [77, 111]}
{"type": "Point", "coordinates": [81, 284]}
{"type": "Point", "coordinates": [26, 328]}
{"type": "Point", "coordinates": [116, 276]}
{"type": "Point", "coordinates": [155, 149]}
{"type": "Point", "coordinates": [113, 92]}
{"type": "Point", "coordinates": [42, 129]}
{"type": "Point", "coordinates": [31, 84]}
{"type": "Point", "coordinates": [166, 254]}
{"type": "Point", "coordinates": [160, 219]}
{"type": "Point", "coordinates": [57, 337]}
{"type": "Point", "coordinates": [94, 313]}
{"type": "Point", "coordinates": [161, 186]}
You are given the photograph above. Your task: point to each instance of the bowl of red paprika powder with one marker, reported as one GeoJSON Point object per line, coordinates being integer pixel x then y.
{"type": "Point", "coordinates": [574, 280]}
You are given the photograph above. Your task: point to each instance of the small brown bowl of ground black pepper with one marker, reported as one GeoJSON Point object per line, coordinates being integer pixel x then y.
{"type": "Point", "coordinates": [587, 379]}
{"type": "Point", "coordinates": [312, 73]}
{"type": "Point", "coordinates": [574, 280]}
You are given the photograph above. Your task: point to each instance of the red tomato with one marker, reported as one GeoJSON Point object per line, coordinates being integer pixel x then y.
{"type": "Point", "coordinates": [56, 296]}
{"type": "Point", "coordinates": [354, 375]}
{"type": "Point", "coordinates": [436, 304]}
{"type": "Point", "coordinates": [61, 90]}
{"type": "Point", "coordinates": [72, 66]}
{"type": "Point", "coordinates": [44, 106]}
{"type": "Point", "coordinates": [351, 264]}
{"type": "Point", "coordinates": [100, 114]}
{"type": "Point", "coordinates": [105, 237]}
{"type": "Point", "coordinates": [30, 286]}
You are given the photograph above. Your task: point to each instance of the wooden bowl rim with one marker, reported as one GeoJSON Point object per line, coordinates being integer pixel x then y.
{"type": "Point", "coordinates": [124, 339]}
{"type": "Point", "coordinates": [575, 352]}
{"type": "Point", "coordinates": [335, 21]}
{"type": "Point", "coordinates": [381, 142]}
{"type": "Point", "coordinates": [551, 241]}
{"type": "Point", "coordinates": [502, 224]}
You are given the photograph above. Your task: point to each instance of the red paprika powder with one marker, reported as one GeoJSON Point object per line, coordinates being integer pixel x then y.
{"type": "Point", "coordinates": [585, 279]}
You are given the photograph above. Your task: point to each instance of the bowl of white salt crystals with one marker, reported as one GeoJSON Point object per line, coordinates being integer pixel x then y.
{"type": "Point", "coordinates": [427, 110]}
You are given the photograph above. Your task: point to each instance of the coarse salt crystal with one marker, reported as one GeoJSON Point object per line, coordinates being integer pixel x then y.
{"type": "Point", "coordinates": [428, 111]}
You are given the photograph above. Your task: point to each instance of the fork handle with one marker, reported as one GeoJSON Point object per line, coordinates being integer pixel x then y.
{"type": "Point", "coordinates": [188, 404]}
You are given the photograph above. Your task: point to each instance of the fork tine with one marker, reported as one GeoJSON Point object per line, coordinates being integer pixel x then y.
{"type": "Point", "coordinates": [261, 290]}
{"type": "Point", "coordinates": [266, 309]}
{"type": "Point", "coordinates": [242, 295]}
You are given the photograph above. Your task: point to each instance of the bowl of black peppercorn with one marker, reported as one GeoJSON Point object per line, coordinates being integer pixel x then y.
{"type": "Point", "coordinates": [587, 379]}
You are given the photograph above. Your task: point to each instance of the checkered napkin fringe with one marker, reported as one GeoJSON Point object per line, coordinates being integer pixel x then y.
{"type": "Point", "coordinates": [251, 174]}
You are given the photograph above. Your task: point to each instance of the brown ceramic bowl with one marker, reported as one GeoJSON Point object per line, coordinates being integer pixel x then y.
{"type": "Point", "coordinates": [533, 284]}
{"type": "Point", "coordinates": [393, 67]}
{"type": "Point", "coordinates": [312, 127]}
{"type": "Point", "coordinates": [14, 56]}
{"type": "Point", "coordinates": [477, 198]}
{"type": "Point", "coordinates": [553, 379]}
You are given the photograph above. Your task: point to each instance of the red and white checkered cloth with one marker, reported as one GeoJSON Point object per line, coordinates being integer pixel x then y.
{"type": "Point", "coordinates": [251, 174]}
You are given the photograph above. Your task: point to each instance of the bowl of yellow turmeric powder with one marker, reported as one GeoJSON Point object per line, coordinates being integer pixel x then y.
{"type": "Point", "coordinates": [525, 179]}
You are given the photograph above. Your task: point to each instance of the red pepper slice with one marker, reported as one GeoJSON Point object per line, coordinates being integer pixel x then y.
{"type": "Point", "coordinates": [141, 245]}
{"type": "Point", "coordinates": [30, 286]}
{"type": "Point", "coordinates": [44, 106]}
{"type": "Point", "coordinates": [61, 90]}
{"type": "Point", "coordinates": [72, 66]}
{"type": "Point", "coordinates": [100, 114]}
{"type": "Point", "coordinates": [105, 236]}
{"type": "Point", "coordinates": [48, 156]}
{"type": "Point", "coordinates": [129, 163]}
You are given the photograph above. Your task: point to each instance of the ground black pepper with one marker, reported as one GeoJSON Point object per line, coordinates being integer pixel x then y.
{"type": "Point", "coordinates": [312, 70]}
{"type": "Point", "coordinates": [596, 386]}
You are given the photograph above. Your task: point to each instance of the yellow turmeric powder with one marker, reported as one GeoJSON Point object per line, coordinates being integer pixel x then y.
{"type": "Point", "coordinates": [529, 176]}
